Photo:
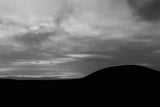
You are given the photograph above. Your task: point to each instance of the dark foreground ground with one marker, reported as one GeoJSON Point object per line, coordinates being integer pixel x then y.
{"type": "Point", "coordinates": [119, 86]}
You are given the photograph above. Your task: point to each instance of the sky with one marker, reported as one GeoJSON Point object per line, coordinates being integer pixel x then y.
{"type": "Point", "coordinates": [77, 37]}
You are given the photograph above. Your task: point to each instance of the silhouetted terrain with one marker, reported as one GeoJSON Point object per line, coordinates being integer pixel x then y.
{"type": "Point", "coordinates": [98, 79]}
{"type": "Point", "coordinates": [119, 72]}
{"type": "Point", "coordinates": [118, 85]}
{"type": "Point", "coordinates": [122, 78]}
{"type": "Point", "coordinates": [125, 85]}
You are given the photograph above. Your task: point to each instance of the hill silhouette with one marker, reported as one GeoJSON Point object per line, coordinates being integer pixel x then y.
{"type": "Point", "coordinates": [126, 69]}
{"type": "Point", "coordinates": [120, 80]}
{"type": "Point", "coordinates": [123, 74]}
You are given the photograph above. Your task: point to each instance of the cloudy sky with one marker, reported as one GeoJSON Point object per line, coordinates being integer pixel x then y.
{"type": "Point", "coordinates": [73, 38]}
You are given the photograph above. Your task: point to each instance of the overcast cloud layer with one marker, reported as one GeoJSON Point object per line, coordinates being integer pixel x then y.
{"type": "Point", "coordinates": [55, 32]}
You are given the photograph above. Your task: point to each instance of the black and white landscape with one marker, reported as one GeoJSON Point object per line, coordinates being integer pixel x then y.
{"type": "Point", "coordinates": [66, 39]}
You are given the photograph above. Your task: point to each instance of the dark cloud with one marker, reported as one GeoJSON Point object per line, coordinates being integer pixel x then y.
{"type": "Point", "coordinates": [33, 39]}
{"type": "Point", "coordinates": [148, 10]}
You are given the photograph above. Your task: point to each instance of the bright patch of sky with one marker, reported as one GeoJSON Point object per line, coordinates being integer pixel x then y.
{"type": "Point", "coordinates": [89, 18]}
